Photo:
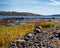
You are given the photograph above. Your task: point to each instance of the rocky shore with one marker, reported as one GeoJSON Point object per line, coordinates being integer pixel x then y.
{"type": "Point", "coordinates": [18, 21]}
{"type": "Point", "coordinates": [38, 39]}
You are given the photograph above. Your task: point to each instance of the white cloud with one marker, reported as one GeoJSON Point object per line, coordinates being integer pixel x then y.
{"type": "Point", "coordinates": [54, 2]}
{"type": "Point", "coordinates": [51, 10]}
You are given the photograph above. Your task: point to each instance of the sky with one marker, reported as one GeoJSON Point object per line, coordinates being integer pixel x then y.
{"type": "Point", "coordinates": [43, 7]}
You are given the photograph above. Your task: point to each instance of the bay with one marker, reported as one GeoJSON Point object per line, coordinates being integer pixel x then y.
{"type": "Point", "coordinates": [29, 16]}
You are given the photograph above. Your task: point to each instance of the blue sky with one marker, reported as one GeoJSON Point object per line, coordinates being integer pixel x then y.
{"type": "Point", "coordinates": [44, 7]}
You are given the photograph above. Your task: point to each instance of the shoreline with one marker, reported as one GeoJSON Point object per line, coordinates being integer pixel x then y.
{"type": "Point", "coordinates": [19, 21]}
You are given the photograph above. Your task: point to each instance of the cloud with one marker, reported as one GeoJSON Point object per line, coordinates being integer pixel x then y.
{"type": "Point", "coordinates": [54, 2]}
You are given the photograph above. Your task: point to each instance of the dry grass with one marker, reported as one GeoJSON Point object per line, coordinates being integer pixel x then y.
{"type": "Point", "coordinates": [8, 34]}
{"type": "Point", "coordinates": [11, 33]}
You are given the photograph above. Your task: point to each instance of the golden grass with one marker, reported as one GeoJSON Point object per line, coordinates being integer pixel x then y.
{"type": "Point", "coordinates": [8, 34]}
{"type": "Point", "coordinates": [11, 33]}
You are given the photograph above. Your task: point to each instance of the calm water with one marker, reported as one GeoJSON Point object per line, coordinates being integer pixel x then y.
{"type": "Point", "coordinates": [29, 16]}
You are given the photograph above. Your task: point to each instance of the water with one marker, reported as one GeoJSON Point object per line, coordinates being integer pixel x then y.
{"type": "Point", "coordinates": [29, 16]}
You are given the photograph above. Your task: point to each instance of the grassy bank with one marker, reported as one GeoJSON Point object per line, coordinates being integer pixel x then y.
{"type": "Point", "coordinates": [11, 33]}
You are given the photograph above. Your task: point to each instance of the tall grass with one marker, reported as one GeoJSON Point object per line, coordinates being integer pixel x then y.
{"type": "Point", "coordinates": [11, 33]}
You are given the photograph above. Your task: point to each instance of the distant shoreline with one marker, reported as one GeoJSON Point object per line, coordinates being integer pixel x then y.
{"type": "Point", "coordinates": [18, 13]}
